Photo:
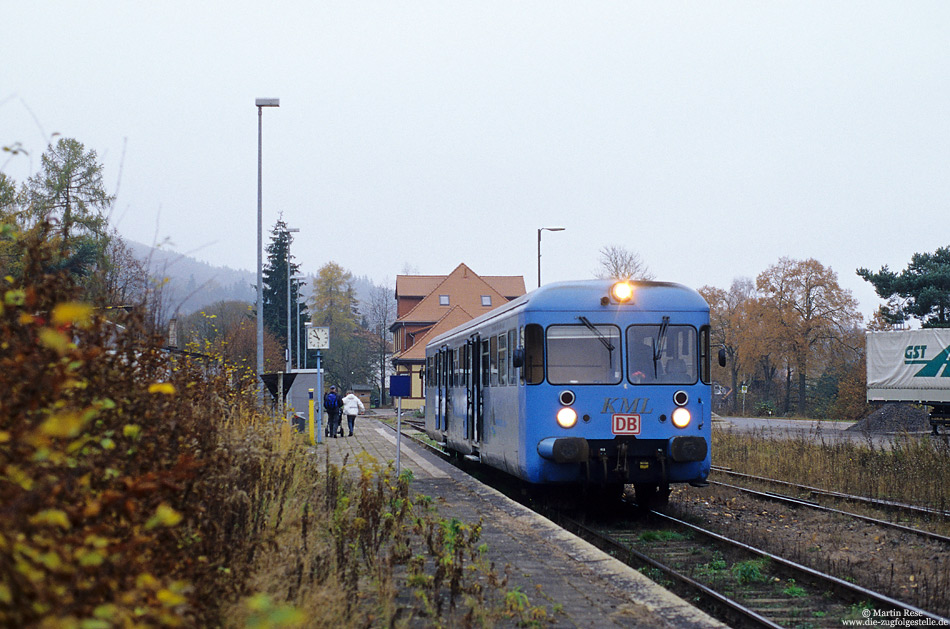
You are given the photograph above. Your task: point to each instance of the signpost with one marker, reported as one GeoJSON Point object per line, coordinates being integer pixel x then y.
{"type": "Point", "coordinates": [399, 387]}
{"type": "Point", "coordinates": [310, 416]}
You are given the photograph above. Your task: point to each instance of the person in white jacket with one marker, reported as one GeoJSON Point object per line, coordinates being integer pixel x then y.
{"type": "Point", "coordinates": [352, 406]}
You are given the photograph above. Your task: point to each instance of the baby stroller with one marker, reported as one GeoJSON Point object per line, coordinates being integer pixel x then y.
{"type": "Point", "coordinates": [326, 430]}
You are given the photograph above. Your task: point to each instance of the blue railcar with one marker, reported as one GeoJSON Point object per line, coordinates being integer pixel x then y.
{"type": "Point", "coordinates": [590, 383]}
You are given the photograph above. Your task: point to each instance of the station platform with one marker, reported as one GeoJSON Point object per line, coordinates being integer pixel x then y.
{"type": "Point", "coordinates": [590, 588]}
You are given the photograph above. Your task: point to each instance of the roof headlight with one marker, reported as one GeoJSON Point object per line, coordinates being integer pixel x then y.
{"type": "Point", "coordinates": [566, 417]}
{"type": "Point", "coordinates": [622, 292]}
{"type": "Point", "coordinates": [681, 417]}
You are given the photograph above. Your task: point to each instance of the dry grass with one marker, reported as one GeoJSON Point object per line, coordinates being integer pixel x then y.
{"type": "Point", "coordinates": [911, 469]}
{"type": "Point", "coordinates": [351, 547]}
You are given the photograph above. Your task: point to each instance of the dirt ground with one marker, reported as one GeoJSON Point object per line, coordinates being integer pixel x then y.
{"type": "Point", "coordinates": [903, 565]}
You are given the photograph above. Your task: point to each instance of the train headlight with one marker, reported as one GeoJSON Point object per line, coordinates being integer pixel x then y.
{"type": "Point", "coordinates": [566, 417]}
{"type": "Point", "coordinates": [681, 418]}
{"type": "Point", "coordinates": [622, 292]}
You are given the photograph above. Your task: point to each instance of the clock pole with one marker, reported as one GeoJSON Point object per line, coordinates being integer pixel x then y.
{"type": "Point", "coordinates": [320, 389]}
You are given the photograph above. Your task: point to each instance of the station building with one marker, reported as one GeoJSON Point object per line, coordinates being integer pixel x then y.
{"type": "Point", "coordinates": [428, 305]}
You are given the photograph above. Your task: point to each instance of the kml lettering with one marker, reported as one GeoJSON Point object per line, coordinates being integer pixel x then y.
{"type": "Point", "coordinates": [626, 406]}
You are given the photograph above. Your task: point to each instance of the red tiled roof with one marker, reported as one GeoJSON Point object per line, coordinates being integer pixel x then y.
{"type": "Point", "coordinates": [454, 317]}
{"type": "Point", "coordinates": [464, 288]}
{"type": "Point", "coordinates": [510, 286]}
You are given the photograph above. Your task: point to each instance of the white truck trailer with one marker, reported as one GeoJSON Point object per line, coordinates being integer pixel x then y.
{"type": "Point", "coordinates": [911, 366]}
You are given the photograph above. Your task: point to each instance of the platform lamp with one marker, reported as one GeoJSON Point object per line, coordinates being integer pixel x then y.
{"type": "Point", "coordinates": [260, 103]}
{"type": "Point", "coordinates": [289, 231]}
{"type": "Point", "coordinates": [550, 229]}
{"type": "Point", "coordinates": [299, 280]}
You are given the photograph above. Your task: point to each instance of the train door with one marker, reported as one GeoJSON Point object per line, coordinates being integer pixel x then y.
{"type": "Point", "coordinates": [439, 389]}
{"type": "Point", "coordinates": [449, 382]}
{"type": "Point", "coordinates": [473, 403]}
{"type": "Point", "coordinates": [485, 381]}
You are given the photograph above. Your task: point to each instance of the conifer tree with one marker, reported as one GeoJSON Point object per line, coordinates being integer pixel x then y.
{"type": "Point", "coordinates": [275, 289]}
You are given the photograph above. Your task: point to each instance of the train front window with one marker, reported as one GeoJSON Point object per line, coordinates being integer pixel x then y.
{"type": "Point", "coordinates": [662, 354]}
{"type": "Point", "coordinates": [577, 354]}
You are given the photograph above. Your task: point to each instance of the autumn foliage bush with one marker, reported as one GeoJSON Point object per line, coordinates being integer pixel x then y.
{"type": "Point", "coordinates": [113, 470]}
{"type": "Point", "coordinates": [142, 488]}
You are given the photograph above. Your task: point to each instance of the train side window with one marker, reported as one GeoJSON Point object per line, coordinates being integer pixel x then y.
{"type": "Point", "coordinates": [512, 370]}
{"type": "Point", "coordinates": [486, 368]}
{"type": "Point", "coordinates": [705, 362]}
{"type": "Point", "coordinates": [428, 370]}
{"type": "Point", "coordinates": [533, 369]}
{"type": "Point", "coordinates": [502, 359]}
{"type": "Point", "coordinates": [464, 364]}
{"type": "Point", "coordinates": [493, 361]}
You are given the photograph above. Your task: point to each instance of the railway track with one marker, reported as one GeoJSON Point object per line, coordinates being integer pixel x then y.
{"type": "Point", "coordinates": [790, 500]}
{"type": "Point", "coordinates": [741, 585]}
{"type": "Point", "coordinates": [883, 505]}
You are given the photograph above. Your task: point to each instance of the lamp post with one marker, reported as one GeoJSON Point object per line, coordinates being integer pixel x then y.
{"type": "Point", "coordinates": [298, 278]}
{"type": "Point", "coordinates": [288, 232]}
{"type": "Point", "coordinates": [550, 229]}
{"type": "Point", "coordinates": [260, 103]}
{"type": "Point", "coordinates": [306, 350]}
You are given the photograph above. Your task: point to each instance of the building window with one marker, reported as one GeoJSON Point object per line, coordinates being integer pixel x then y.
{"type": "Point", "coordinates": [443, 300]}
{"type": "Point", "coordinates": [486, 300]}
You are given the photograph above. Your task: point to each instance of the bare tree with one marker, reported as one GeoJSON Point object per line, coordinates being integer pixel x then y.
{"type": "Point", "coordinates": [381, 315]}
{"type": "Point", "coordinates": [617, 262]}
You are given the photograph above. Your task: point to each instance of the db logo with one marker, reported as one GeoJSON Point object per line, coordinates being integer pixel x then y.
{"type": "Point", "coordinates": [626, 424]}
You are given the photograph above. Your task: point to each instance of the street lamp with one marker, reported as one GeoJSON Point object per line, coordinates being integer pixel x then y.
{"type": "Point", "coordinates": [550, 229]}
{"type": "Point", "coordinates": [298, 278]}
{"type": "Point", "coordinates": [260, 103]}
{"type": "Point", "coordinates": [288, 232]}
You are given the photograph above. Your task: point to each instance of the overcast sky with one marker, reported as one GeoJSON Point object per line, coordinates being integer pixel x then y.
{"type": "Point", "coordinates": [712, 138]}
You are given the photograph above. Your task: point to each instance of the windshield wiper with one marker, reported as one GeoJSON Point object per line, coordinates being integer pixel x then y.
{"type": "Point", "coordinates": [658, 344]}
{"type": "Point", "coordinates": [600, 335]}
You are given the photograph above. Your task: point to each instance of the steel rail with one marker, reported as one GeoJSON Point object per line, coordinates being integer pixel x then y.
{"type": "Point", "coordinates": [619, 547]}
{"type": "Point", "coordinates": [840, 584]}
{"type": "Point", "coordinates": [813, 505]}
{"type": "Point", "coordinates": [882, 504]}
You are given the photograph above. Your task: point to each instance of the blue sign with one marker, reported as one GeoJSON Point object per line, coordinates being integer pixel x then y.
{"type": "Point", "coordinates": [400, 386]}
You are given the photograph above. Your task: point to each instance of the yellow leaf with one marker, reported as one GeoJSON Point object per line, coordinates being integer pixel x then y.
{"type": "Point", "coordinates": [106, 612]}
{"type": "Point", "coordinates": [89, 557]}
{"type": "Point", "coordinates": [74, 312]}
{"type": "Point", "coordinates": [52, 517]}
{"type": "Point", "coordinates": [51, 560]}
{"type": "Point", "coordinates": [55, 340]}
{"type": "Point", "coordinates": [4, 436]}
{"type": "Point", "coordinates": [64, 424]}
{"type": "Point", "coordinates": [169, 598]}
{"type": "Point", "coordinates": [164, 516]}
{"type": "Point", "coordinates": [166, 388]}
{"type": "Point", "coordinates": [14, 297]}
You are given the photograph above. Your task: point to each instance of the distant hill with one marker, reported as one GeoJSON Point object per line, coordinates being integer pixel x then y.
{"type": "Point", "coordinates": [193, 284]}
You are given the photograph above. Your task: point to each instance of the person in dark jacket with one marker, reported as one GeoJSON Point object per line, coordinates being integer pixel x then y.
{"type": "Point", "coordinates": [332, 404]}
